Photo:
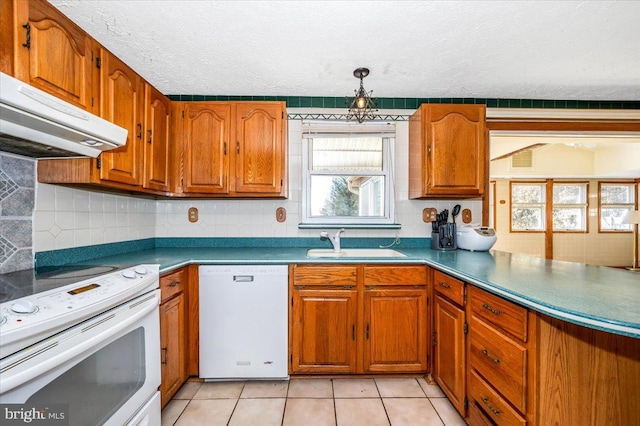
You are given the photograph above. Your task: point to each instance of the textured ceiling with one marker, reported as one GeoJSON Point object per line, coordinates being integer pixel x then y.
{"type": "Point", "coordinates": [585, 50]}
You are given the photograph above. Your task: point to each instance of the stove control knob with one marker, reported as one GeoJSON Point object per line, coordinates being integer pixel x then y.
{"type": "Point", "coordinates": [24, 307]}
{"type": "Point", "coordinates": [3, 320]}
{"type": "Point", "coordinates": [141, 270]}
{"type": "Point", "coordinates": [128, 274]}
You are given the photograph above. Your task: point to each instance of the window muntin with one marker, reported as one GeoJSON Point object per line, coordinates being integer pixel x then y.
{"type": "Point", "coordinates": [348, 179]}
{"type": "Point", "coordinates": [528, 206]}
{"type": "Point", "coordinates": [569, 210]}
{"type": "Point", "coordinates": [616, 200]}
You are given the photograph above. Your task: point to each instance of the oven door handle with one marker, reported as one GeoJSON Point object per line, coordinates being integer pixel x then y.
{"type": "Point", "coordinates": [102, 328]}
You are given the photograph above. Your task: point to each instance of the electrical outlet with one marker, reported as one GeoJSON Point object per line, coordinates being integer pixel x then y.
{"type": "Point", "coordinates": [192, 215]}
{"type": "Point", "coordinates": [429, 214]}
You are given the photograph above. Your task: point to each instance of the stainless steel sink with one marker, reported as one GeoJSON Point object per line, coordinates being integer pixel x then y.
{"type": "Point", "coordinates": [354, 252]}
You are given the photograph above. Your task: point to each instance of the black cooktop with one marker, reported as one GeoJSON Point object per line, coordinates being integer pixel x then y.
{"type": "Point", "coordinates": [28, 282]}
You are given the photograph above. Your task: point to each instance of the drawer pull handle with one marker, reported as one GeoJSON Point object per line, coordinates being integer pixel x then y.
{"type": "Point", "coordinates": [489, 308]}
{"type": "Point", "coordinates": [164, 351]}
{"type": "Point", "coordinates": [174, 284]}
{"type": "Point", "coordinates": [486, 353]}
{"type": "Point", "coordinates": [444, 285]}
{"type": "Point", "coordinates": [486, 402]}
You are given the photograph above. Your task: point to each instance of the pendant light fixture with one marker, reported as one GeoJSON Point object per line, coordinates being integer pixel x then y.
{"type": "Point", "coordinates": [362, 107]}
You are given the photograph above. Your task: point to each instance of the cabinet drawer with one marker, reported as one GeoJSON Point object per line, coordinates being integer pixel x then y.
{"type": "Point", "coordinates": [172, 284]}
{"type": "Point", "coordinates": [499, 312]}
{"type": "Point", "coordinates": [486, 403]}
{"type": "Point", "coordinates": [324, 275]}
{"type": "Point", "coordinates": [500, 360]}
{"type": "Point", "coordinates": [449, 287]}
{"type": "Point", "coordinates": [395, 275]}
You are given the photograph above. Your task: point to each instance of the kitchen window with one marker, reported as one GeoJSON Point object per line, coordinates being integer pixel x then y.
{"type": "Point", "coordinates": [348, 174]}
{"type": "Point", "coordinates": [569, 210]}
{"type": "Point", "coordinates": [616, 200]}
{"type": "Point", "coordinates": [528, 206]}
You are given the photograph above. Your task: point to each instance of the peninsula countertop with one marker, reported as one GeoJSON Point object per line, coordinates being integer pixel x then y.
{"type": "Point", "coordinates": [598, 297]}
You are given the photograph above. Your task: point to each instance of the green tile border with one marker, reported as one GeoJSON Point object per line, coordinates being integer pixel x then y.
{"type": "Point", "coordinates": [413, 103]}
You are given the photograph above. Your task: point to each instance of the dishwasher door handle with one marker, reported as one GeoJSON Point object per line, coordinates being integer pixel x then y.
{"type": "Point", "coordinates": [243, 278]}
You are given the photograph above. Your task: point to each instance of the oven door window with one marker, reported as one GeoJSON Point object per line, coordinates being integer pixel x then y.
{"type": "Point", "coordinates": [99, 385]}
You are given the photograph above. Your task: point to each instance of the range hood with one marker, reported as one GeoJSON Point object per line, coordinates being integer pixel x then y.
{"type": "Point", "coordinates": [34, 123]}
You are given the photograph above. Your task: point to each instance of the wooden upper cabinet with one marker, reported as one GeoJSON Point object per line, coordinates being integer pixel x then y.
{"type": "Point", "coordinates": [51, 52]}
{"type": "Point", "coordinates": [235, 149]}
{"type": "Point", "coordinates": [260, 148]}
{"type": "Point", "coordinates": [156, 140]}
{"type": "Point", "coordinates": [206, 133]}
{"type": "Point", "coordinates": [122, 103]}
{"type": "Point", "coordinates": [447, 151]}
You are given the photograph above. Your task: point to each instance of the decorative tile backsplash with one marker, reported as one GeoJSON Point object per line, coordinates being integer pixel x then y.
{"type": "Point", "coordinates": [17, 199]}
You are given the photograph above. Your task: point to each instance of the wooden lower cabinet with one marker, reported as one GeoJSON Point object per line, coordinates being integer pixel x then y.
{"type": "Point", "coordinates": [449, 369]}
{"type": "Point", "coordinates": [395, 330]}
{"type": "Point", "coordinates": [173, 333]}
{"type": "Point", "coordinates": [342, 322]}
{"type": "Point", "coordinates": [324, 327]}
{"type": "Point", "coordinates": [501, 356]}
{"type": "Point", "coordinates": [172, 347]}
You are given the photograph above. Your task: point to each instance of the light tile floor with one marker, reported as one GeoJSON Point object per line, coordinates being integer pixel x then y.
{"type": "Point", "coordinates": [316, 402]}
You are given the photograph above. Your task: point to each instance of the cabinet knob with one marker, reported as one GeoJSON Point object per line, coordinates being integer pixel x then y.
{"type": "Point", "coordinates": [149, 139]}
{"type": "Point", "coordinates": [139, 126]}
{"type": "Point", "coordinates": [164, 359]}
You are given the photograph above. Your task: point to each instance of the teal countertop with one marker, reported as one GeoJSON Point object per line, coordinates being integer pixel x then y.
{"type": "Point", "coordinates": [594, 296]}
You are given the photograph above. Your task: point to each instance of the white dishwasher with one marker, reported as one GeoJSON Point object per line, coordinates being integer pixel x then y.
{"type": "Point", "coordinates": [243, 321]}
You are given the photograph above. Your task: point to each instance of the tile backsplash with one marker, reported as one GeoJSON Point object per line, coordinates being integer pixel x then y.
{"type": "Point", "coordinates": [17, 196]}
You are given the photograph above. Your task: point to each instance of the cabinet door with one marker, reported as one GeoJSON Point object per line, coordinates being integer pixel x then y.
{"type": "Point", "coordinates": [324, 331]}
{"type": "Point", "coordinates": [52, 53]}
{"type": "Point", "coordinates": [260, 148]}
{"type": "Point", "coordinates": [206, 144]}
{"type": "Point", "coordinates": [156, 140]}
{"type": "Point", "coordinates": [449, 356]}
{"type": "Point", "coordinates": [122, 100]}
{"type": "Point", "coordinates": [172, 355]}
{"type": "Point", "coordinates": [395, 330]}
{"type": "Point", "coordinates": [455, 137]}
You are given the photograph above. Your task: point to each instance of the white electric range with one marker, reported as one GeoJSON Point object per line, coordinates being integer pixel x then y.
{"type": "Point", "coordinates": [84, 342]}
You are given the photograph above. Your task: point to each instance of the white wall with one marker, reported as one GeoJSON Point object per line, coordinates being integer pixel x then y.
{"type": "Point", "coordinates": [66, 217]}
{"type": "Point", "coordinates": [555, 160]}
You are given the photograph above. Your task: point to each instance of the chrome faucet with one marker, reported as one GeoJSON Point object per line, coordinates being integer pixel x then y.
{"type": "Point", "coordinates": [335, 240]}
